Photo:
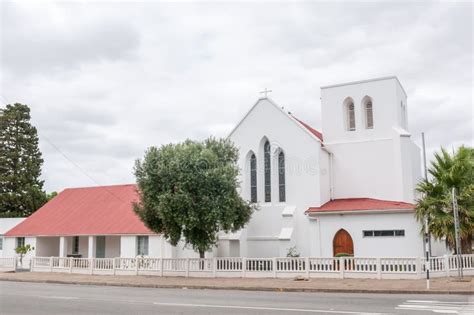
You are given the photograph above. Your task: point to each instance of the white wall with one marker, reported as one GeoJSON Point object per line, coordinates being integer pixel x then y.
{"type": "Point", "coordinates": [112, 246]}
{"type": "Point", "coordinates": [376, 163]}
{"type": "Point", "coordinates": [386, 96]}
{"type": "Point", "coordinates": [47, 246]}
{"type": "Point", "coordinates": [9, 245]}
{"type": "Point", "coordinates": [410, 245]}
{"type": "Point", "coordinates": [128, 246]}
{"type": "Point", "coordinates": [7, 224]}
{"type": "Point", "coordinates": [303, 172]}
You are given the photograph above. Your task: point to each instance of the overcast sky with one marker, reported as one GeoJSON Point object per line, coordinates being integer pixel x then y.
{"type": "Point", "coordinates": [105, 80]}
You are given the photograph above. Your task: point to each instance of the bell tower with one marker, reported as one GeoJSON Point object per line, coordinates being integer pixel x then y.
{"type": "Point", "coordinates": [365, 126]}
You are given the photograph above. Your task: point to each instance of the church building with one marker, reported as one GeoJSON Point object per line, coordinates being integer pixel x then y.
{"type": "Point", "coordinates": [348, 190]}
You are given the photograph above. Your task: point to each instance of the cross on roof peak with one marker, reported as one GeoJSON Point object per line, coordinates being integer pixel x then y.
{"type": "Point", "coordinates": [265, 92]}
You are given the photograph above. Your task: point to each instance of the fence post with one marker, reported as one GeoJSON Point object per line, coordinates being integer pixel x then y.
{"type": "Point", "coordinates": [244, 266]}
{"type": "Point", "coordinates": [70, 264]}
{"type": "Point", "coordinates": [51, 264]}
{"type": "Point", "coordinates": [136, 265]}
{"type": "Point", "coordinates": [341, 267]}
{"type": "Point", "coordinates": [91, 262]}
{"type": "Point", "coordinates": [274, 267]}
{"type": "Point", "coordinates": [161, 267]}
{"type": "Point", "coordinates": [32, 263]}
{"type": "Point", "coordinates": [187, 267]}
{"type": "Point", "coordinates": [446, 264]}
{"type": "Point", "coordinates": [419, 267]}
{"type": "Point", "coordinates": [214, 266]}
{"type": "Point", "coordinates": [379, 268]}
{"type": "Point", "coordinates": [306, 265]}
{"type": "Point", "coordinates": [113, 265]}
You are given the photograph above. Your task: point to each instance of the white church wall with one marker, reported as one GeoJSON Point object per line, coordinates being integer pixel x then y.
{"type": "Point", "coordinates": [410, 245]}
{"type": "Point", "coordinates": [365, 170]}
{"type": "Point", "coordinates": [325, 176]}
{"type": "Point", "coordinates": [302, 179]}
{"type": "Point", "coordinates": [378, 162]}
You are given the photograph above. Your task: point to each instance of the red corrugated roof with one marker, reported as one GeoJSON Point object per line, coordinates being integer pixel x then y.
{"type": "Point", "coordinates": [311, 129]}
{"type": "Point", "coordinates": [101, 210]}
{"type": "Point", "coordinates": [360, 204]}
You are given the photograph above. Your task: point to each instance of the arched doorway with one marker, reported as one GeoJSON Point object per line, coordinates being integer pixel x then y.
{"type": "Point", "coordinates": [342, 243]}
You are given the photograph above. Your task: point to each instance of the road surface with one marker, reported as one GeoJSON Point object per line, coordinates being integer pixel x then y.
{"type": "Point", "coordinates": [51, 299]}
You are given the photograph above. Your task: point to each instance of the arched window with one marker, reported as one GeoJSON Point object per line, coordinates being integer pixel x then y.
{"type": "Point", "coordinates": [369, 114]}
{"type": "Point", "coordinates": [350, 114]}
{"type": "Point", "coordinates": [253, 178]}
{"type": "Point", "coordinates": [267, 171]}
{"type": "Point", "coordinates": [281, 176]}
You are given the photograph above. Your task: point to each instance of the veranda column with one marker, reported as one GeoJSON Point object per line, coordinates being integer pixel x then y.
{"type": "Point", "coordinates": [62, 246]}
{"type": "Point", "coordinates": [91, 247]}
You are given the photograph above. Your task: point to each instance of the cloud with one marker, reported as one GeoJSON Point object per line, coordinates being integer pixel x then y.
{"type": "Point", "coordinates": [106, 80]}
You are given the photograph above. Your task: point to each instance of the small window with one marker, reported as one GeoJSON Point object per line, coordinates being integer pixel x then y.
{"type": "Point", "coordinates": [399, 232]}
{"type": "Point", "coordinates": [20, 241]}
{"type": "Point", "coordinates": [281, 177]}
{"type": "Point", "coordinates": [142, 245]}
{"type": "Point", "coordinates": [267, 171]}
{"type": "Point", "coordinates": [369, 115]}
{"type": "Point", "coordinates": [253, 178]}
{"type": "Point", "coordinates": [351, 126]}
{"type": "Point", "coordinates": [387, 233]}
{"type": "Point", "coordinates": [75, 245]}
{"type": "Point", "coordinates": [383, 233]}
{"type": "Point", "coordinates": [1, 243]}
{"type": "Point", "coordinates": [368, 233]}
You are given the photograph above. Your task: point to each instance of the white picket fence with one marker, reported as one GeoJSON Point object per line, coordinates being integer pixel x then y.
{"type": "Point", "coordinates": [279, 267]}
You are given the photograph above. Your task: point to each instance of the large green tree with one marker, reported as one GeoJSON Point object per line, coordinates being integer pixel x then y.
{"type": "Point", "coordinates": [188, 191]}
{"type": "Point", "coordinates": [448, 171]}
{"type": "Point", "coordinates": [21, 190]}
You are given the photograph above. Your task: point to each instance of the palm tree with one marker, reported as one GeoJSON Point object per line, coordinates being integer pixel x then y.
{"type": "Point", "coordinates": [448, 171]}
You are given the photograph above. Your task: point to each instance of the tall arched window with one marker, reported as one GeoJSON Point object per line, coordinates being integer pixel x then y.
{"type": "Point", "coordinates": [267, 171]}
{"type": "Point", "coordinates": [253, 178]}
{"type": "Point", "coordinates": [369, 114]}
{"type": "Point", "coordinates": [281, 177]}
{"type": "Point", "coordinates": [350, 114]}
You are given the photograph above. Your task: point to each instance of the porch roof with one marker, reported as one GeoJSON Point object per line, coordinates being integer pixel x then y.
{"type": "Point", "coordinates": [360, 205]}
{"type": "Point", "coordinates": [102, 210]}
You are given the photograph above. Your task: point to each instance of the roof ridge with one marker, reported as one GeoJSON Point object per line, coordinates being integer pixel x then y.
{"type": "Point", "coordinates": [102, 186]}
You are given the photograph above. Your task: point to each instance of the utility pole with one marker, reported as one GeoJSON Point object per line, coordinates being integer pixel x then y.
{"type": "Point", "coordinates": [427, 220]}
{"type": "Point", "coordinates": [427, 233]}
{"type": "Point", "coordinates": [456, 231]}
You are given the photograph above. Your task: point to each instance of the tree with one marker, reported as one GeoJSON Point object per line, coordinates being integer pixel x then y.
{"type": "Point", "coordinates": [23, 250]}
{"type": "Point", "coordinates": [188, 191]}
{"type": "Point", "coordinates": [21, 190]}
{"type": "Point", "coordinates": [51, 195]}
{"type": "Point", "coordinates": [448, 171]}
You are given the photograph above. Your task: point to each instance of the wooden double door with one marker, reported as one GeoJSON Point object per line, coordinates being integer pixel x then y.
{"type": "Point", "coordinates": [342, 243]}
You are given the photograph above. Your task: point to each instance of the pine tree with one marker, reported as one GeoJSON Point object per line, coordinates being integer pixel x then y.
{"type": "Point", "coordinates": [21, 190]}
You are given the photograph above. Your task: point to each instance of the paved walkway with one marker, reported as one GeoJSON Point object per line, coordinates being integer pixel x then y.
{"type": "Point", "coordinates": [438, 285]}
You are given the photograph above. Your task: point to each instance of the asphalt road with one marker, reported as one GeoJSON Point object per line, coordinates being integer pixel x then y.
{"type": "Point", "coordinates": [51, 299]}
